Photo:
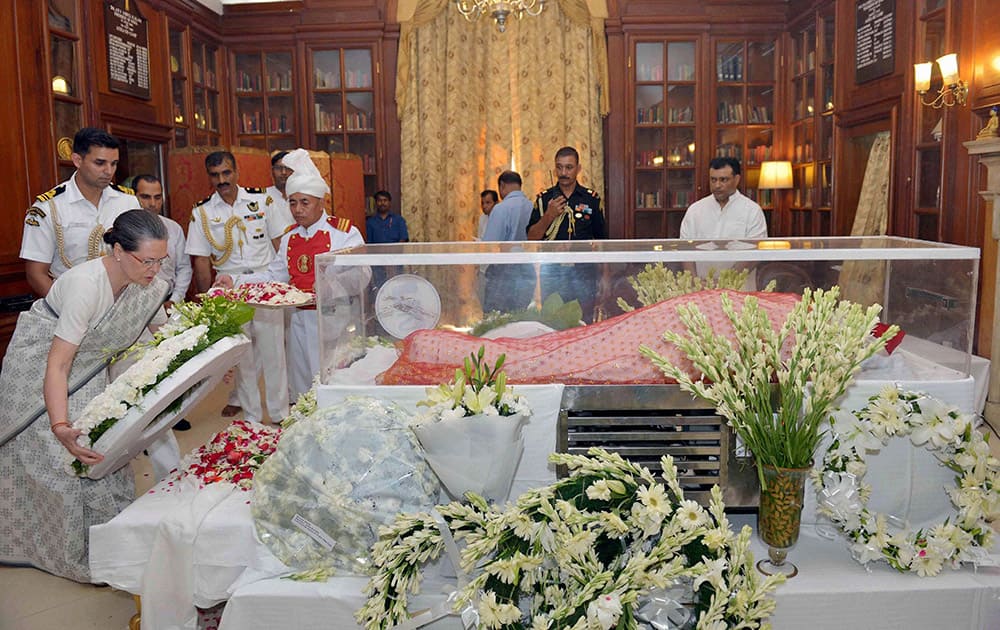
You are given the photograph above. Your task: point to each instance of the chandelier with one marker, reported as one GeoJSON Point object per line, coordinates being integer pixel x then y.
{"type": "Point", "coordinates": [499, 10]}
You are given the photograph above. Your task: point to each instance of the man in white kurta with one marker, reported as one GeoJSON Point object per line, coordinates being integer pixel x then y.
{"type": "Point", "coordinates": [65, 225]}
{"type": "Point", "coordinates": [726, 213]}
{"type": "Point", "coordinates": [315, 233]}
{"type": "Point", "coordinates": [231, 232]}
{"type": "Point", "coordinates": [176, 269]}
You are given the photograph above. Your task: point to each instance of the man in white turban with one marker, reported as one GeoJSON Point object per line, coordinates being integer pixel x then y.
{"type": "Point", "coordinates": [315, 232]}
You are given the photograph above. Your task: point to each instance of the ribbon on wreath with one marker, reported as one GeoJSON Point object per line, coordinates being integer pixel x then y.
{"type": "Point", "coordinates": [662, 609]}
{"type": "Point", "coordinates": [468, 614]}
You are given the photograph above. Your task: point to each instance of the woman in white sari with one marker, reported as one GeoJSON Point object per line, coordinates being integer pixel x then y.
{"type": "Point", "coordinates": [56, 363]}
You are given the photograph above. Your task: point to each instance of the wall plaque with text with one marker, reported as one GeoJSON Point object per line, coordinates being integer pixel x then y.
{"type": "Point", "coordinates": [128, 48]}
{"type": "Point", "coordinates": [875, 40]}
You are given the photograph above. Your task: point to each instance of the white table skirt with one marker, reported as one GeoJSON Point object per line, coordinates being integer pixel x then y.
{"type": "Point", "coordinates": [224, 542]}
{"type": "Point", "coordinates": [832, 591]}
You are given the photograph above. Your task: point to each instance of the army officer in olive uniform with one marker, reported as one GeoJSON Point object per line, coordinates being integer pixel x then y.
{"type": "Point", "coordinates": [569, 212]}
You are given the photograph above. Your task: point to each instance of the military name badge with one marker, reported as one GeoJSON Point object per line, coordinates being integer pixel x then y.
{"type": "Point", "coordinates": [303, 263]}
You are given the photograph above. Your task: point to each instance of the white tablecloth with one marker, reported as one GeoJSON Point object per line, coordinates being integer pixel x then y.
{"type": "Point", "coordinates": [831, 591]}
{"type": "Point", "coordinates": [221, 533]}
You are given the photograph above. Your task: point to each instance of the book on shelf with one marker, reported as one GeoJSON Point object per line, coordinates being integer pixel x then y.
{"type": "Point", "coordinates": [680, 115]}
{"type": "Point", "coordinates": [730, 113]}
{"type": "Point", "coordinates": [681, 198]}
{"type": "Point", "coordinates": [359, 121]}
{"type": "Point", "coordinates": [247, 82]}
{"type": "Point", "coordinates": [651, 114]}
{"type": "Point", "coordinates": [279, 124]}
{"type": "Point", "coordinates": [327, 122]}
{"type": "Point", "coordinates": [250, 122]}
{"type": "Point", "coordinates": [326, 80]}
{"type": "Point", "coordinates": [647, 199]}
{"type": "Point", "coordinates": [279, 81]}
{"type": "Point", "coordinates": [358, 78]}
{"type": "Point", "coordinates": [730, 68]}
{"type": "Point", "coordinates": [682, 72]}
{"type": "Point", "coordinates": [728, 149]}
{"type": "Point", "coordinates": [759, 153]}
{"type": "Point", "coordinates": [760, 114]}
{"type": "Point", "coordinates": [648, 72]}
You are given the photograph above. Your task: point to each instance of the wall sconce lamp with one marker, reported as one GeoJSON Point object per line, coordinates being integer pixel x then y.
{"type": "Point", "coordinates": [775, 175]}
{"type": "Point", "coordinates": [953, 89]}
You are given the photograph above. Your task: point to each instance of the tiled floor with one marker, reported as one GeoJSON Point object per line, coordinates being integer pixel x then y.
{"type": "Point", "coordinates": [34, 600]}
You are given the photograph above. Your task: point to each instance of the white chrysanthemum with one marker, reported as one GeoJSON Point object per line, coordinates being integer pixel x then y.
{"type": "Point", "coordinates": [690, 514]}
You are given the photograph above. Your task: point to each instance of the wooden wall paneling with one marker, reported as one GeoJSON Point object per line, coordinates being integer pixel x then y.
{"type": "Point", "coordinates": [14, 129]}
{"type": "Point", "coordinates": [616, 145]}
{"type": "Point", "coordinates": [853, 139]}
{"type": "Point", "coordinates": [156, 110]}
{"type": "Point", "coordinates": [985, 27]}
{"type": "Point", "coordinates": [389, 138]}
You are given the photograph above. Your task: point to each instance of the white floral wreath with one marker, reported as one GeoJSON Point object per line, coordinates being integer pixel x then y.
{"type": "Point", "coordinates": [949, 434]}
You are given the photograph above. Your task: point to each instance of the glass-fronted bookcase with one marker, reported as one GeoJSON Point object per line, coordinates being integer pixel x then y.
{"type": "Point", "coordinates": [744, 102]}
{"type": "Point", "coordinates": [673, 118]}
{"type": "Point", "coordinates": [664, 145]}
{"type": "Point", "coordinates": [205, 93]}
{"type": "Point", "coordinates": [264, 88]}
{"type": "Point", "coordinates": [812, 105]}
{"type": "Point", "coordinates": [342, 97]}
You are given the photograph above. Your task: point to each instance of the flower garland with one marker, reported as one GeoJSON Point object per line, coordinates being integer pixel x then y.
{"type": "Point", "coordinates": [233, 455]}
{"type": "Point", "coordinates": [843, 496]}
{"type": "Point", "coordinates": [190, 329]}
{"type": "Point", "coordinates": [580, 553]}
{"type": "Point", "coordinates": [476, 389]}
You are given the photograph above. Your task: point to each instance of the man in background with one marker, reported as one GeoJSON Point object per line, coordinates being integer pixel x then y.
{"type": "Point", "coordinates": [65, 226]}
{"type": "Point", "coordinates": [487, 199]}
{"type": "Point", "coordinates": [279, 202]}
{"type": "Point", "coordinates": [509, 287]}
{"type": "Point", "coordinates": [385, 226]}
{"type": "Point", "coordinates": [569, 212]}
{"type": "Point", "coordinates": [176, 269]}
{"type": "Point", "coordinates": [726, 213]}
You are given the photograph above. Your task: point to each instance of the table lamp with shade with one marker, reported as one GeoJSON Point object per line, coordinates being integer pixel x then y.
{"type": "Point", "coordinates": [775, 175]}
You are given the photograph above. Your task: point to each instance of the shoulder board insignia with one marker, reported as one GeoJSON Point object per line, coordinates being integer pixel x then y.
{"type": "Point", "coordinates": [290, 228]}
{"type": "Point", "coordinates": [123, 189]}
{"type": "Point", "coordinates": [342, 224]}
{"type": "Point", "coordinates": [201, 203]}
{"type": "Point", "coordinates": [36, 212]}
{"type": "Point", "coordinates": [593, 193]}
{"type": "Point", "coordinates": [58, 190]}
{"type": "Point", "coordinates": [256, 191]}
{"type": "Point", "coordinates": [31, 221]}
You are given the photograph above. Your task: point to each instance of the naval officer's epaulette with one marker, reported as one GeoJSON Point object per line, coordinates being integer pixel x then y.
{"type": "Point", "coordinates": [123, 189]}
{"type": "Point", "coordinates": [203, 201]}
{"type": "Point", "coordinates": [58, 190]}
{"type": "Point", "coordinates": [256, 191]}
{"type": "Point", "coordinates": [340, 223]}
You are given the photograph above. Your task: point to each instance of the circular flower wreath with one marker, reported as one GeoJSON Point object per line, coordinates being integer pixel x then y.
{"type": "Point", "coordinates": [843, 496]}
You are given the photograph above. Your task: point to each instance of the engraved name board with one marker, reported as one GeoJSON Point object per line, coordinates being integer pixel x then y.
{"type": "Point", "coordinates": [128, 48]}
{"type": "Point", "coordinates": [875, 39]}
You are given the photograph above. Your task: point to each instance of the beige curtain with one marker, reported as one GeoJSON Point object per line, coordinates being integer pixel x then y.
{"type": "Point", "coordinates": [863, 281]}
{"type": "Point", "coordinates": [470, 99]}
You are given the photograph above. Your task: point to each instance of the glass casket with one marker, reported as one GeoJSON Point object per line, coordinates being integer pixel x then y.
{"type": "Point", "coordinates": [373, 297]}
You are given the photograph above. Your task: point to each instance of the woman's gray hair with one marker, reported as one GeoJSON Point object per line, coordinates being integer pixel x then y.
{"type": "Point", "coordinates": [133, 227]}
